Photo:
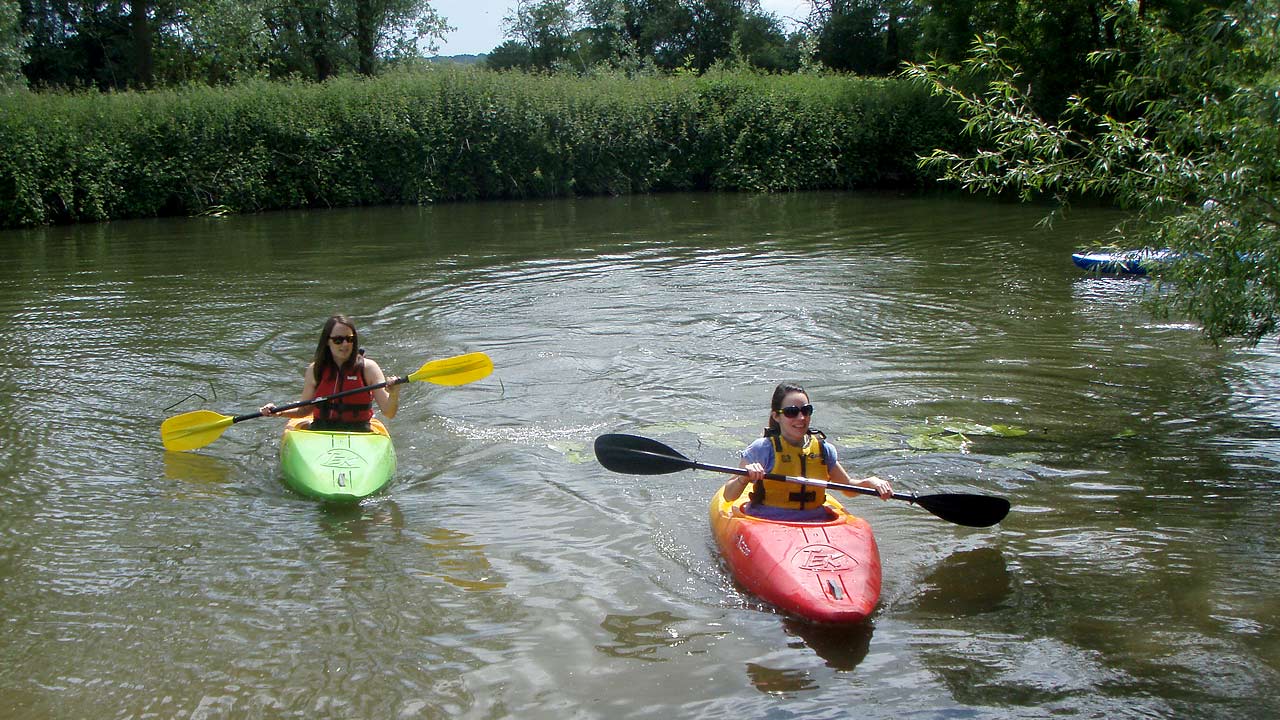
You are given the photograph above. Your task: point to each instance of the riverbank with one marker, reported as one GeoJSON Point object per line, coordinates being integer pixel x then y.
{"type": "Point", "coordinates": [449, 134]}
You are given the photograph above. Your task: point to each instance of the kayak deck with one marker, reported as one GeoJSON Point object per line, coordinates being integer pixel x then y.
{"type": "Point", "coordinates": [1129, 262]}
{"type": "Point", "coordinates": [825, 572]}
{"type": "Point", "coordinates": [342, 467]}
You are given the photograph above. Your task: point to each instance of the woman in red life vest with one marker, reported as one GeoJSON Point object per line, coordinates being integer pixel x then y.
{"type": "Point", "coordinates": [339, 365]}
{"type": "Point", "coordinates": [790, 447]}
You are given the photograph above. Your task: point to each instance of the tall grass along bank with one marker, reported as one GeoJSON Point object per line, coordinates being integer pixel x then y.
{"type": "Point", "coordinates": [447, 135]}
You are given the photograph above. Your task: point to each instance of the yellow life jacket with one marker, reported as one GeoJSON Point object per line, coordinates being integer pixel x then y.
{"type": "Point", "coordinates": [788, 459]}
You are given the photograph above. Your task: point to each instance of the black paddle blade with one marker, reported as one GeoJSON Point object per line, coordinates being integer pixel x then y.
{"type": "Point", "coordinates": [967, 510]}
{"type": "Point", "coordinates": [635, 455]}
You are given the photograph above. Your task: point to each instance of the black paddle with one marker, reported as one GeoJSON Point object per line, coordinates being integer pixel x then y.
{"type": "Point", "coordinates": [635, 455]}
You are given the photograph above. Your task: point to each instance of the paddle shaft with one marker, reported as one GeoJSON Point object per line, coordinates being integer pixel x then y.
{"type": "Point", "coordinates": [637, 455]}
{"type": "Point", "coordinates": [694, 464]}
{"type": "Point", "coordinates": [323, 398]}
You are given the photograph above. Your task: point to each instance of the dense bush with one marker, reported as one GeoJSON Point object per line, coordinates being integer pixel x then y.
{"type": "Point", "coordinates": [419, 137]}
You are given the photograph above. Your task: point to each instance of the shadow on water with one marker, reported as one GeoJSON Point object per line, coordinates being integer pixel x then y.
{"type": "Point", "coordinates": [353, 521]}
{"type": "Point", "coordinates": [842, 648]}
{"type": "Point", "coordinates": [965, 583]}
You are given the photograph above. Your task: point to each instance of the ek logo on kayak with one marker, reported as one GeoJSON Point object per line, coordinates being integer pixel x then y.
{"type": "Point", "coordinates": [340, 458]}
{"type": "Point", "coordinates": [820, 558]}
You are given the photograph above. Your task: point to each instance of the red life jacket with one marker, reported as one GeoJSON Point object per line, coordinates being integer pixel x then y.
{"type": "Point", "coordinates": [354, 408]}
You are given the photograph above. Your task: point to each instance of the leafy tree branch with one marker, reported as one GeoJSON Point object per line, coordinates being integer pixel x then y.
{"type": "Point", "coordinates": [1186, 135]}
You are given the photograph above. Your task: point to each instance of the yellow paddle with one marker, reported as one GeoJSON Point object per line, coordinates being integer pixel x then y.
{"type": "Point", "coordinates": [198, 428]}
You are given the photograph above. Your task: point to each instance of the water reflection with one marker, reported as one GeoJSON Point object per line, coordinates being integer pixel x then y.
{"type": "Point", "coordinates": [649, 637]}
{"type": "Point", "coordinates": [841, 647]}
{"type": "Point", "coordinates": [355, 521]}
{"type": "Point", "coordinates": [779, 681]}
{"type": "Point", "coordinates": [462, 562]}
{"type": "Point", "coordinates": [195, 468]}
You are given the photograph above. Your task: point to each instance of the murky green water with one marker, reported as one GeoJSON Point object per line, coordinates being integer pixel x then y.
{"type": "Point", "coordinates": [506, 574]}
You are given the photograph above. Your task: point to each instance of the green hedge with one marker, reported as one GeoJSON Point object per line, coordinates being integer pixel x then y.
{"type": "Point", "coordinates": [450, 134]}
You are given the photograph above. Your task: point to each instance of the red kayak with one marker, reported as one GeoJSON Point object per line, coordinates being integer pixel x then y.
{"type": "Point", "coordinates": [826, 572]}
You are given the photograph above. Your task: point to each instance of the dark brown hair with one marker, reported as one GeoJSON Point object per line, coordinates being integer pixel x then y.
{"type": "Point", "coordinates": [780, 393]}
{"type": "Point", "coordinates": [323, 358]}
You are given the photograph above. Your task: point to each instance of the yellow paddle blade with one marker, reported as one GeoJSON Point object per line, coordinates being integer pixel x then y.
{"type": "Point", "coordinates": [192, 430]}
{"type": "Point", "coordinates": [458, 370]}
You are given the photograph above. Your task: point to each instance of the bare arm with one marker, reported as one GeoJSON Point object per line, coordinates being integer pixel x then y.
{"type": "Point", "coordinates": [308, 392]}
{"type": "Point", "coordinates": [840, 475]}
{"type": "Point", "coordinates": [388, 398]}
{"type": "Point", "coordinates": [736, 484]}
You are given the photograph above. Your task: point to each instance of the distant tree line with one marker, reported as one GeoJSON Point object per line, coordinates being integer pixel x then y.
{"type": "Point", "coordinates": [1051, 39]}
{"type": "Point", "coordinates": [119, 44]}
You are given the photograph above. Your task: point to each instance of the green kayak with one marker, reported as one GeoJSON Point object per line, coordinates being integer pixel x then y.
{"type": "Point", "coordinates": [341, 467]}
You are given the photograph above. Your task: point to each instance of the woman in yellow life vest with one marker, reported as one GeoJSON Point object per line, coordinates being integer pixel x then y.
{"type": "Point", "coordinates": [790, 447]}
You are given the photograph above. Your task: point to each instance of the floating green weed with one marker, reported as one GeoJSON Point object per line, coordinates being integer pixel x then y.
{"type": "Point", "coordinates": [866, 440]}
{"type": "Point", "coordinates": [710, 435]}
{"type": "Point", "coordinates": [574, 452]}
{"type": "Point", "coordinates": [947, 434]}
{"type": "Point", "coordinates": [947, 442]}
{"type": "Point", "coordinates": [1009, 431]}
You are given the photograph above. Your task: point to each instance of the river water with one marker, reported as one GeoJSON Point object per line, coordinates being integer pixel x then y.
{"type": "Point", "coordinates": [948, 344]}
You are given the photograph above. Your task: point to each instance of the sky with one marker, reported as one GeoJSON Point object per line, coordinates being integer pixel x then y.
{"type": "Point", "coordinates": [479, 22]}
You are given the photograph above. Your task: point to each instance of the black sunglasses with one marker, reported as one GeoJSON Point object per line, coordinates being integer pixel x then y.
{"type": "Point", "coordinates": [342, 339]}
{"type": "Point", "coordinates": [792, 411]}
